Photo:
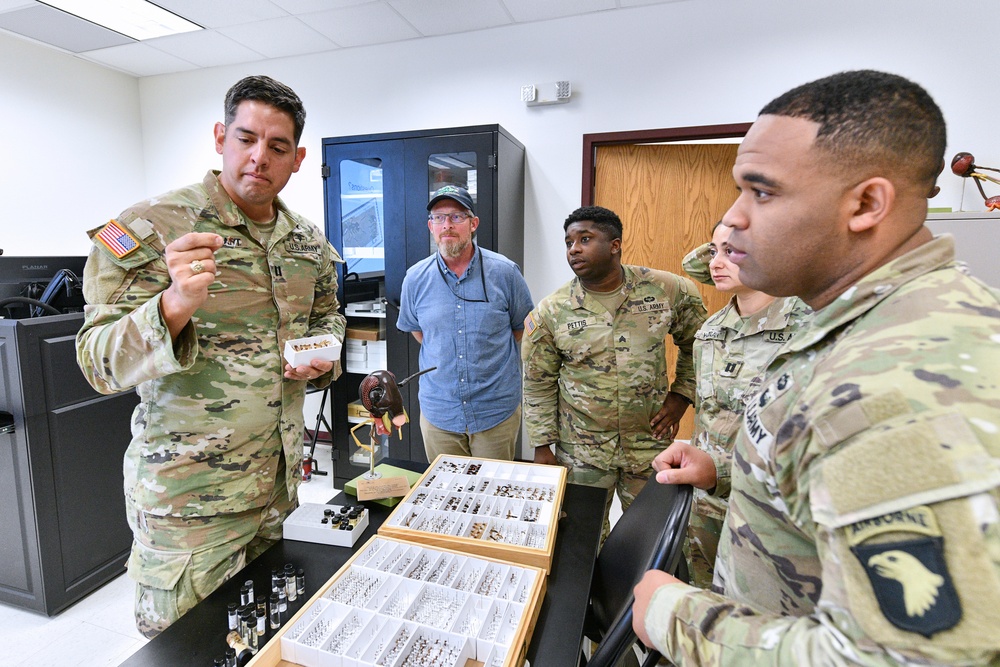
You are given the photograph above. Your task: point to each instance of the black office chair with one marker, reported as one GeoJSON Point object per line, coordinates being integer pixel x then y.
{"type": "Point", "coordinates": [648, 536]}
{"type": "Point", "coordinates": [314, 436]}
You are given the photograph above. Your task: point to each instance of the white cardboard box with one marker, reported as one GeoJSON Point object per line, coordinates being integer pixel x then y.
{"type": "Point", "coordinates": [314, 347]}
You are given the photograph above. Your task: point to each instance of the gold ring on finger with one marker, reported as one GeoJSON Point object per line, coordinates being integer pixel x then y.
{"type": "Point", "coordinates": [197, 266]}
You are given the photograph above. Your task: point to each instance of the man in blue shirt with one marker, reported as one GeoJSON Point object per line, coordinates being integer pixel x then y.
{"type": "Point", "coordinates": [466, 307]}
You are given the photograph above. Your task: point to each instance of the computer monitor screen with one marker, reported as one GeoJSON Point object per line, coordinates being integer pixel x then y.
{"type": "Point", "coordinates": [362, 217]}
{"type": "Point", "coordinates": [56, 282]}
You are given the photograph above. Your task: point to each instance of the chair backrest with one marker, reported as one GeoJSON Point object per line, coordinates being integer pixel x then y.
{"type": "Point", "coordinates": [648, 536]}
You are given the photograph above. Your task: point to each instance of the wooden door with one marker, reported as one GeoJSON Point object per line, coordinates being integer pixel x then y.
{"type": "Point", "coordinates": [668, 196]}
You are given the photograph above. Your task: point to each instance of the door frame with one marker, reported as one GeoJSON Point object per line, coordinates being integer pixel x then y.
{"type": "Point", "coordinates": [591, 142]}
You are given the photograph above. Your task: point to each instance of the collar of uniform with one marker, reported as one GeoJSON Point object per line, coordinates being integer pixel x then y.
{"type": "Point", "coordinates": [773, 318]}
{"type": "Point", "coordinates": [582, 299]}
{"type": "Point", "coordinates": [875, 287]}
{"type": "Point", "coordinates": [231, 215]}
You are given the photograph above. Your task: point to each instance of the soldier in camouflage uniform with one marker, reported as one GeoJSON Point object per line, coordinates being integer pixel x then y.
{"type": "Point", "coordinates": [863, 523]}
{"type": "Point", "coordinates": [191, 296]}
{"type": "Point", "coordinates": [731, 350]}
{"type": "Point", "coordinates": [595, 376]}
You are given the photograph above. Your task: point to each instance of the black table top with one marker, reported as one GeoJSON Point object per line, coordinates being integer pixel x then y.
{"type": "Point", "coordinates": [198, 637]}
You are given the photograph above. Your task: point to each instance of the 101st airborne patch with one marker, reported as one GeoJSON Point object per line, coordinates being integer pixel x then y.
{"type": "Point", "coordinates": [909, 575]}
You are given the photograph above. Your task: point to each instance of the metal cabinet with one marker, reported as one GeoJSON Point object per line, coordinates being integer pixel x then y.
{"type": "Point", "coordinates": [376, 190]}
{"type": "Point", "coordinates": [63, 531]}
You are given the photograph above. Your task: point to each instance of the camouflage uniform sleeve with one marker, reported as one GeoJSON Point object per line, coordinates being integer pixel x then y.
{"type": "Point", "coordinates": [689, 315]}
{"type": "Point", "coordinates": [723, 473]}
{"type": "Point", "coordinates": [926, 598]}
{"type": "Point", "coordinates": [123, 341]}
{"type": "Point", "coordinates": [542, 364]}
{"type": "Point", "coordinates": [695, 264]}
{"type": "Point", "coordinates": [325, 317]}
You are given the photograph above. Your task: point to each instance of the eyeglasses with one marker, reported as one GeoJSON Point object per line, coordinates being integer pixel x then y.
{"type": "Point", "coordinates": [455, 218]}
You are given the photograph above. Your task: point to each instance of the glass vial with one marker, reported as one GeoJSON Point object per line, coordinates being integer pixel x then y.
{"type": "Point", "coordinates": [243, 652]}
{"type": "Point", "coordinates": [262, 605]}
{"type": "Point", "coordinates": [300, 581]}
{"type": "Point", "coordinates": [234, 619]}
{"type": "Point", "coordinates": [290, 590]}
{"type": "Point", "coordinates": [230, 657]}
{"type": "Point", "coordinates": [282, 598]}
{"type": "Point", "coordinates": [261, 624]}
{"type": "Point", "coordinates": [275, 612]}
{"type": "Point", "coordinates": [249, 585]}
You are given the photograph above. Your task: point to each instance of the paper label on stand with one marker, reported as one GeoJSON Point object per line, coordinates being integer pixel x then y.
{"type": "Point", "coordinates": [386, 487]}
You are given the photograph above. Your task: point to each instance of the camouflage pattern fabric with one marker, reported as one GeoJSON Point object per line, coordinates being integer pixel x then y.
{"type": "Point", "coordinates": [178, 561]}
{"type": "Point", "coordinates": [594, 380]}
{"type": "Point", "coordinates": [730, 355]}
{"type": "Point", "coordinates": [696, 262]}
{"type": "Point", "coordinates": [863, 525]}
{"type": "Point", "coordinates": [625, 483]}
{"type": "Point", "coordinates": [215, 414]}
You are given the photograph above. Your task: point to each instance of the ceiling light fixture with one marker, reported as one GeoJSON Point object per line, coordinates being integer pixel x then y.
{"type": "Point", "coordinates": [137, 19]}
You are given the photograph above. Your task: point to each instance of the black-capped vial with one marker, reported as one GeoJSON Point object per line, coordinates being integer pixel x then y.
{"type": "Point", "coordinates": [219, 662]}
{"type": "Point", "coordinates": [230, 657]}
{"type": "Point", "coordinates": [282, 600]}
{"type": "Point", "coordinates": [262, 604]}
{"type": "Point", "coordinates": [261, 623]}
{"type": "Point", "coordinates": [275, 573]}
{"type": "Point", "coordinates": [249, 584]}
{"type": "Point", "coordinates": [275, 612]}
{"type": "Point", "coordinates": [234, 619]}
{"type": "Point", "coordinates": [300, 581]}
{"type": "Point", "coordinates": [245, 598]}
{"type": "Point", "coordinates": [290, 583]}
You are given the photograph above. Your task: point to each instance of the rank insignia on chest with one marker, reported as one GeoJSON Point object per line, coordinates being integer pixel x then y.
{"type": "Point", "coordinates": [909, 576]}
{"type": "Point", "coordinates": [731, 369]}
{"type": "Point", "coordinates": [117, 239]}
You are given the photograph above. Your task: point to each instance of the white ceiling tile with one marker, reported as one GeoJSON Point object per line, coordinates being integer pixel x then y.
{"type": "Point", "coordinates": [278, 38]}
{"type": "Point", "coordinates": [297, 7]}
{"type": "Point", "coordinates": [7, 5]}
{"type": "Point", "coordinates": [139, 59]}
{"type": "Point", "coordinates": [639, 3]}
{"type": "Point", "coordinates": [205, 48]}
{"type": "Point", "coordinates": [443, 17]}
{"type": "Point", "coordinates": [219, 13]}
{"type": "Point", "coordinates": [373, 23]}
{"type": "Point", "coordinates": [60, 29]}
{"type": "Point", "coordinates": [525, 11]}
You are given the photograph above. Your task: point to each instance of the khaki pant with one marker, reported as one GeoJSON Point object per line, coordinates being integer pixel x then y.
{"type": "Point", "coordinates": [177, 562]}
{"type": "Point", "coordinates": [498, 442]}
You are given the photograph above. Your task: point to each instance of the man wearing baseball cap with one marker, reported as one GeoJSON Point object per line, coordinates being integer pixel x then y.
{"type": "Point", "coordinates": [466, 307]}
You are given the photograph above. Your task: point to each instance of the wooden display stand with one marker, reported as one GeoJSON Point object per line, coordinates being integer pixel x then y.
{"type": "Point", "coordinates": [497, 509]}
{"type": "Point", "coordinates": [383, 611]}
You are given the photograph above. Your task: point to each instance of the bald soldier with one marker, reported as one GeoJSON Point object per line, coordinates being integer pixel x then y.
{"type": "Point", "coordinates": [190, 298]}
{"type": "Point", "coordinates": [863, 512]}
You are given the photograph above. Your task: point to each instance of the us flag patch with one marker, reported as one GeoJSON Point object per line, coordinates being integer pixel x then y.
{"type": "Point", "coordinates": [529, 324]}
{"type": "Point", "coordinates": [117, 240]}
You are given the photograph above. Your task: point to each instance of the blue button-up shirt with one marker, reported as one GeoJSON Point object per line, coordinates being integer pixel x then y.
{"type": "Point", "coordinates": [477, 383]}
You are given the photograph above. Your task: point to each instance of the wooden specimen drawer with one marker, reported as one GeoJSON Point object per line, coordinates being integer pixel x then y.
{"type": "Point", "coordinates": [499, 509]}
{"type": "Point", "coordinates": [399, 604]}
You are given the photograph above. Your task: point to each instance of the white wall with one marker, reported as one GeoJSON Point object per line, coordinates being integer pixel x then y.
{"type": "Point", "coordinates": [695, 62]}
{"type": "Point", "coordinates": [687, 63]}
{"type": "Point", "coordinates": [82, 143]}
{"type": "Point", "coordinates": [72, 148]}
